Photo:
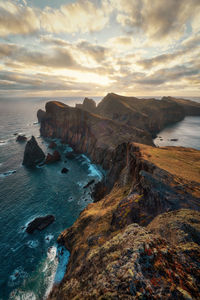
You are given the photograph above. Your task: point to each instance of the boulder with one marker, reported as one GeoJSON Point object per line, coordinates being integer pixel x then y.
{"type": "Point", "coordinates": [52, 145]}
{"type": "Point", "coordinates": [33, 154]}
{"type": "Point", "coordinates": [64, 170]}
{"type": "Point", "coordinates": [51, 158]}
{"type": "Point", "coordinates": [40, 223]}
{"type": "Point", "coordinates": [21, 138]}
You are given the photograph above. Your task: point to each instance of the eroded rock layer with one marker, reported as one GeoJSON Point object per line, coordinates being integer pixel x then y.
{"type": "Point", "coordinates": [112, 257]}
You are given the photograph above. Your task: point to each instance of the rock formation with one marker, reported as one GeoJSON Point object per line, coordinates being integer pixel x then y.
{"type": "Point", "coordinates": [191, 108]}
{"type": "Point", "coordinates": [51, 158]}
{"type": "Point", "coordinates": [88, 105]}
{"type": "Point", "coordinates": [33, 154]}
{"type": "Point", "coordinates": [40, 223]}
{"type": "Point", "coordinates": [21, 138]}
{"type": "Point", "coordinates": [40, 115]}
{"type": "Point", "coordinates": [52, 145]}
{"type": "Point", "coordinates": [64, 170]}
{"type": "Point", "coordinates": [113, 255]}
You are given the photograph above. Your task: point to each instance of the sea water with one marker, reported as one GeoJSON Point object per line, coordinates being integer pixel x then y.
{"type": "Point", "coordinates": [30, 264]}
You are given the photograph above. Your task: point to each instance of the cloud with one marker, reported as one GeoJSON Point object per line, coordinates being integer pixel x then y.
{"type": "Point", "coordinates": [80, 16]}
{"type": "Point", "coordinates": [17, 19]}
{"type": "Point", "coordinates": [157, 19]}
{"type": "Point", "coordinates": [7, 49]}
{"type": "Point", "coordinates": [187, 49]}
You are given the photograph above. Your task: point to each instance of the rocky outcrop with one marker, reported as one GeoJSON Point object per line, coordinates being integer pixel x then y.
{"type": "Point", "coordinates": [112, 256]}
{"type": "Point", "coordinates": [64, 170]}
{"type": "Point", "coordinates": [180, 227]}
{"type": "Point", "coordinates": [52, 145]}
{"type": "Point", "coordinates": [88, 105]}
{"type": "Point", "coordinates": [40, 223]}
{"type": "Point", "coordinates": [148, 114]}
{"type": "Point", "coordinates": [191, 108]}
{"type": "Point", "coordinates": [40, 115]}
{"type": "Point", "coordinates": [21, 138]}
{"type": "Point", "coordinates": [33, 154]}
{"type": "Point", "coordinates": [51, 158]}
{"type": "Point", "coordinates": [88, 133]}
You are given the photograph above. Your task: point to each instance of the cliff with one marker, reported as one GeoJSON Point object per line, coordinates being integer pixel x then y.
{"type": "Point", "coordinates": [114, 257]}
{"type": "Point", "coordinates": [191, 108]}
{"type": "Point", "coordinates": [141, 239]}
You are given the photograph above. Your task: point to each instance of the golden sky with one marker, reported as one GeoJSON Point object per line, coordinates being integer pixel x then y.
{"type": "Point", "coordinates": [89, 48]}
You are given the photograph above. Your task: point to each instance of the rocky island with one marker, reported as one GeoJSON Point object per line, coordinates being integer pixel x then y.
{"type": "Point", "coordinates": [141, 237]}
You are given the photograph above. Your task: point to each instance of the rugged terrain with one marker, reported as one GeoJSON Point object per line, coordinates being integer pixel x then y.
{"type": "Point", "coordinates": [141, 239]}
{"type": "Point", "coordinates": [113, 256]}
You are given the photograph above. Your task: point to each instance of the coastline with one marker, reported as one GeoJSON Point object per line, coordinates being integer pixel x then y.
{"type": "Point", "coordinates": [120, 164]}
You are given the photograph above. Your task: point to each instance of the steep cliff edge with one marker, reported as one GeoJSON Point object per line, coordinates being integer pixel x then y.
{"type": "Point", "coordinates": [112, 257]}
{"type": "Point", "coordinates": [149, 114]}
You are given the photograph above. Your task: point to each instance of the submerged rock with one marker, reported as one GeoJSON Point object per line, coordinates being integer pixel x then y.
{"type": "Point", "coordinates": [33, 154]}
{"type": "Point", "coordinates": [40, 223]}
{"type": "Point", "coordinates": [64, 170]}
{"type": "Point", "coordinates": [70, 155]}
{"type": "Point", "coordinates": [89, 183]}
{"type": "Point", "coordinates": [52, 145]}
{"type": "Point", "coordinates": [51, 158]}
{"type": "Point", "coordinates": [21, 138]}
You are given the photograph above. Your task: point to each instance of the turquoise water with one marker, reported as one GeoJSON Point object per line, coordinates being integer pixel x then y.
{"type": "Point", "coordinates": [30, 263]}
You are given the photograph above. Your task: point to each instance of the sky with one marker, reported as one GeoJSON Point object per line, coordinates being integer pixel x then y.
{"type": "Point", "coordinates": [90, 48]}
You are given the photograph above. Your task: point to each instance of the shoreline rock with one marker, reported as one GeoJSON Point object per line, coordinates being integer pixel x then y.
{"type": "Point", "coordinates": [33, 154]}
{"type": "Point", "coordinates": [51, 158]}
{"type": "Point", "coordinates": [21, 138]}
{"type": "Point", "coordinates": [40, 223]}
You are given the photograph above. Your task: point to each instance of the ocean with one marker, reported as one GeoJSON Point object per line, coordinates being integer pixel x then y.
{"type": "Point", "coordinates": [29, 263]}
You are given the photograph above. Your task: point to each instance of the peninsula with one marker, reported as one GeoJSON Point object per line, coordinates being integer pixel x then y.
{"type": "Point", "coordinates": [141, 237]}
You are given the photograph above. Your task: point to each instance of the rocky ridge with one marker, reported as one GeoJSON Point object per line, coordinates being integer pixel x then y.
{"type": "Point", "coordinates": [113, 256]}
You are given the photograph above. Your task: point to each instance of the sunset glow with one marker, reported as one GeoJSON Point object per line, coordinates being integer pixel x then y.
{"type": "Point", "coordinates": [89, 48]}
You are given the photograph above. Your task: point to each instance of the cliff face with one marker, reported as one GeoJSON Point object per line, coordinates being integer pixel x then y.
{"type": "Point", "coordinates": [102, 139]}
{"type": "Point", "coordinates": [191, 108]}
{"type": "Point", "coordinates": [149, 114]}
{"type": "Point", "coordinates": [112, 257]}
{"type": "Point", "coordinates": [88, 105]}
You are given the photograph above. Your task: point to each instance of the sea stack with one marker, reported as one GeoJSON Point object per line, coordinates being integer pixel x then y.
{"type": "Point", "coordinates": [33, 154]}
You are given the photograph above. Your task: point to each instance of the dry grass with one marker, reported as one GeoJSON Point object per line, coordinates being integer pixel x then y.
{"type": "Point", "coordinates": [179, 161]}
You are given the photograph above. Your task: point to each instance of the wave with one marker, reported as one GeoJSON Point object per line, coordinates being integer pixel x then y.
{"type": "Point", "coordinates": [32, 244]}
{"type": "Point", "coordinates": [8, 173]}
{"type": "Point", "coordinates": [21, 295]}
{"type": "Point", "coordinates": [48, 238]}
{"type": "Point", "coordinates": [17, 277]}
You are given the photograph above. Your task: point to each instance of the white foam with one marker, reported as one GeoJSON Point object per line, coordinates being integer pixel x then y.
{"type": "Point", "coordinates": [33, 244]}
{"type": "Point", "coordinates": [8, 173]}
{"type": "Point", "coordinates": [20, 295]}
{"type": "Point", "coordinates": [16, 277]}
{"type": "Point", "coordinates": [51, 253]}
{"type": "Point", "coordinates": [94, 172]}
{"type": "Point", "coordinates": [70, 199]}
{"type": "Point", "coordinates": [48, 238]}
